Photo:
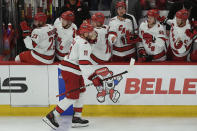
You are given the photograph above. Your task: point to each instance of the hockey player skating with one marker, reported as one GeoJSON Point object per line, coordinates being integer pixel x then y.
{"type": "Point", "coordinates": [40, 42]}
{"type": "Point", "coordinates": [123, 35]}
{"type": "Point", "coordinates": [154, 43]}
{"type": "Point", "coordinates": [79, 54]}
{"type": "Point", "coordinates": [101, 49]}
{"type": "Point", "coordinates": [66, 32]}
{"type": "Point", "coordinates": [181, 37]}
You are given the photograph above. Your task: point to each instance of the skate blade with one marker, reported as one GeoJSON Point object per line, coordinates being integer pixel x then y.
{"type": "Point", "coordinates": [49, 123]}
{"type": "Point", "coordinates": [77, 125]}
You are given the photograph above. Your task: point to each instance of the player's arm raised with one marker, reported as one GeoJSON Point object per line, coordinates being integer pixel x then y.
{"type": "Point", "coordinates": [32, 42]}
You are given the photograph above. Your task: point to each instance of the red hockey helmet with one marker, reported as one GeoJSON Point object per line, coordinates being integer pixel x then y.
{"type": "Point", "coordinates": [68, 15]}
{"type": "Point", "coordinates": [98, 17]}
{"type": "Point", "coordinates": [182, 14]}
{"type": "Point", "coordinates": [120, 4]}
{"type": "Point", "coordinates": [153, 13]}
{"type": "Point", "coordinates": [40, 17]}
{"type": "Point", "coordinates": [85, 28]}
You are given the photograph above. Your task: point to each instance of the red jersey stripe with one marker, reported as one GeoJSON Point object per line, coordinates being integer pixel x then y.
{"type": "Point", "coordinates": [71, 65]}
{"type": "Point", "coordinates": [114, 33]}
{"type": "Point", "coordinates": [59, 110]}
{"type": "Point", "coordinates": [163, 53]}
{"type": "Point", "coordinates": [60, 54]}
{"type": "Point", "coordinates": [43, 56]}
{"type": "Point", "coordinates": [84, 62]}
{"type": "Point", "coordinates": [123, 49]}
{"type": "Point", "coordinates": [96, 59]}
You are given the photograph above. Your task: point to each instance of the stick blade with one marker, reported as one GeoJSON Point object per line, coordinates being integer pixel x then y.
{"type": "Point", "coordinates": [131, 64]}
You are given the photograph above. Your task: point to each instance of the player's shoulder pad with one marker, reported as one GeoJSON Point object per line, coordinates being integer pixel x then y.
{"type": "Point", "coordinates": [143, 24]}
{"type": "Point", "coordinates": [113, 19]}
{"type": "Point", "coordinates": [43, 30]}
{"type": "Point", "coordinates": [57, 22]}
{"type": "Point", "coordinates": [129, 16]}
{"type": "Point", "coordinates": [36, 31]}
{"type": "Point", "coordinates": [50, 26]}
{"type": "Point", "coordinates": [74, 26]}
{"type": "Point", "coordinates": [79, 40]}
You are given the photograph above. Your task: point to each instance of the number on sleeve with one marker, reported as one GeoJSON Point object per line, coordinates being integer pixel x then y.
{"type": "Point", "coordinates": [51, 39]}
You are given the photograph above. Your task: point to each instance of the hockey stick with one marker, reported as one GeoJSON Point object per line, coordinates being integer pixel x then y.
{"type": "Point", "coordinates": [131, 64]}
{"type": "Point", "coordinates": [194, 37]}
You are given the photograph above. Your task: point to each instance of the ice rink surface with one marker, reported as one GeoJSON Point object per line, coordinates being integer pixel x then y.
{"type": "Point", "coordinates": [101, 124]}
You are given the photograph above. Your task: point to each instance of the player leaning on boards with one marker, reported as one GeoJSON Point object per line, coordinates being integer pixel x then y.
{"type": "Point", "coordinates": [123, 35]}
{"type": "Point", "coordinates": [154, 43]}
{"type": "Point", "coordinates": [79, 54]}
{"type": "Point", "coordinates": [182, 36]}
{"type": "Point", "coordinates": [101, 48]}
{"type": "Point", "coordinates": [66, 32]}
{"type": "Point", "coordinates": [40, 42]}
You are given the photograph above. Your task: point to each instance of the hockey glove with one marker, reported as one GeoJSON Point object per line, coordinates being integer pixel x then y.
{"type": "Point", "coordinates": [191, 33]}
{"type": "Point", "coordinates": [132, 38]}
{"type": "Point", "coordinates": [162, 20]}
{"type": "Point", "coordinates": [194, 24]}
{"type": "Point", "coordinates": [25, 28]}
{"type": "Point", "coordinates": [143, 56]}
{"type": "Point", "coordinates": [96, 80]}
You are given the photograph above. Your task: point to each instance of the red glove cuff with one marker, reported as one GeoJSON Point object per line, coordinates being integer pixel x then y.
{"type": "Point", "coordinates": [92, 76]}
{"type": "Point", "coordinates": [25, 28]}
{"type": "Point", "coordinates": [97, 81]}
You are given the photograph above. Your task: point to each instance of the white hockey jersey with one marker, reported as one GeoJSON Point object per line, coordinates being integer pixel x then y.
{"type": "Point", "coordinates": [64, 38]}
{"type": "Point", "coordinates": [79, 54]}
{"type": "Point", "coordinates": [179, 49]}
{"type": "Point", "coordinates": [101, 49]}
{"type": "Point", "coordinates": [158, 48]}
{"type": "Point", "coordinates": [118, 28]}
{"type": "Point", "coordinates": [42, 43]}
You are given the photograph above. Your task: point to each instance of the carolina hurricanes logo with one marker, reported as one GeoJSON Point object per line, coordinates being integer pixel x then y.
{"type": "Point", "coordinates": [108, 89]}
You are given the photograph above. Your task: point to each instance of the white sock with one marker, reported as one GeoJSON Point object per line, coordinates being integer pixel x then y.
{"type": "Point", "coordinates": [63, 105]}
{"type": "Point", "coordinates": [78, 105]}
{"type": "Point", "coordinates": [56, 113]}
